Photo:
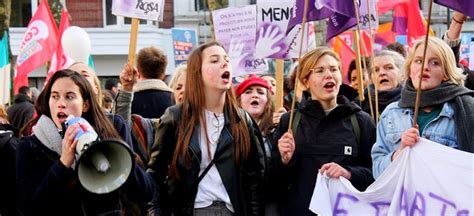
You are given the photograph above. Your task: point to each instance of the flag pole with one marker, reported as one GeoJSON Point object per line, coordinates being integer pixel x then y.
{"type": "Point", "coordinates": [299, 65]}
{"type": "Point", "coordinates": [372, 70]}
{"type": "Point", "coordinates": [279, 83]}
{"type": "Point", "coordinates": [357, 51]}
{"type": "Point", "coordinates": [368, 89]}
{"type": "Point", "coordinates": [418, 91]}
{"type": "Point", "coordinates": [211, 6]}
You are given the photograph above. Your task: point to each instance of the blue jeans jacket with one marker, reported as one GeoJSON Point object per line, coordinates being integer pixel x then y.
{"type": "Point", "coordinates": [396, 120]}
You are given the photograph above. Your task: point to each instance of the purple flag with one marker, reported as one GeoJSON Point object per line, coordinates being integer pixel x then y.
{"type": "Point", "coordinates": [313, 13]}
{"type": "Point", "coordinates": [339, 23]}
{"type": "Point", "coordinates": [341, 14]}
{"type": "Point", "coordinates": [464, 6]}
{"type": "Point", "coordinates": [344, 7]}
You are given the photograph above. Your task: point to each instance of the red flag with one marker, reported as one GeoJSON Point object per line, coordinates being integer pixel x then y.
{"type": "Point", "coordinates": [60, 60]}
{"type": "Point", "coordinates": [384, 6]}
{"type": "Point", "coordinates": [343, 46]}
{"type": "Point", "coordinates": [407, 19]}
{"type": "Point", "coordinates": [365, 36]}
{"type": "Point", "coordinates": [415, 25]}
{"type": "Point", "coordinates": [37, 45]}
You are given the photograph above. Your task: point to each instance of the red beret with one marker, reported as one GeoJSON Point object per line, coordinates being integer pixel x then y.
{"type": "Point", "coordinates": [251, 81]}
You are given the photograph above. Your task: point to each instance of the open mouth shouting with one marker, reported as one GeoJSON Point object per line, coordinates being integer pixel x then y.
{"type": "Point", "coordinates": [329, 86]}
{"type": "Point", "coordinates": [226, 77]}
{"type": "Point", "coordinates": [62, 116]}
{"type": "Point", "coordinates": [384, 81]}
{"type": "Point", "coordinates": [254, 103]}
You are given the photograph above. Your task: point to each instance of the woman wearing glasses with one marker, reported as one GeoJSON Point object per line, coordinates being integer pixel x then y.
{"type": "Point", "coordinates": [330, 134]}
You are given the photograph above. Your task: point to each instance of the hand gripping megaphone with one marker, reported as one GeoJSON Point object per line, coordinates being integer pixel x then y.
{"type": "Point", "coordinates": [102, 165]}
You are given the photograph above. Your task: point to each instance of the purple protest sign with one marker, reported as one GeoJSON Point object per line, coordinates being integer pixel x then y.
{"type": "Point", "coordinates": [235, 28]}
{"type": "Point", "coordinates": [142, 9]}
{"type": "Point", "coordinates": [273, 39]}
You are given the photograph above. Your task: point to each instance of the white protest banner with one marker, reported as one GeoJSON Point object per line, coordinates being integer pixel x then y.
{"type": "Point", "coordinates": [272, 23]}
{"type": "Point", "coordinates": [142, 9]}
{"type": "Point", "coordinates": [428, 179]}
{"type": "Point", "coordinates": [364, 15]}
{"type": "Point", "coordinates": [235, 28]}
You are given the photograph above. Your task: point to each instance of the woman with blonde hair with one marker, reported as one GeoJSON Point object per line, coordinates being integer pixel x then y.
{"type": "Point", "coordinates": [329, 133]}
{"type": "Point", "coordinates": [446, 106]}
{"type": "Point", "coordinates": [177, 82]}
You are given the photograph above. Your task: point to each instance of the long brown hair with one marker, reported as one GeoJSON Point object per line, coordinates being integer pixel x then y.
{"type": "Point", "coordinates": [94, 115]}
{"type": "Point", "coordinates": [193, 114]}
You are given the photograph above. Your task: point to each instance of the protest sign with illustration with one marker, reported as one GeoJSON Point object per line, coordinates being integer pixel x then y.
{"type": "Point", "coordinates": [273, 40]}
{"type": "Point", "coordinates": [235, 28]}
{"type": "Point", "coordinates": [184, 41]}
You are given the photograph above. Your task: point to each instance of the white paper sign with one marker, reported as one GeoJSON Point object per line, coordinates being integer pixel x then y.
{"type": "Point", "coordinates": [429, 179]}
{"type": "Point", "coordinates": [364, 15]}
{"type": "Point", "coordinates": [142, 9]}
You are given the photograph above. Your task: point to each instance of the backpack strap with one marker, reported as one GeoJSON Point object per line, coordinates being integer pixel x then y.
{"type": "Point", "coordinates": [355, 127]}
{"type": "Point", "coordinates": [296, 121]}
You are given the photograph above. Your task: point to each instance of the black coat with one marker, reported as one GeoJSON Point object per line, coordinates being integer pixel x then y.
{"type": "Point", "coordinates": [321, 139]}
{"type": "Point", "coordinates": [46, 187]}
{"type": "Point", "coordinates": [21, 111]}
{"type": "Point", "coordinates": [241, 182]}
{"type": "Point", "coordinates": [8, 144]}
{"type": "Point", "coordinates": [151, 103]}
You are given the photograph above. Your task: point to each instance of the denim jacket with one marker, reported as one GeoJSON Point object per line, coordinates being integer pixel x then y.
{"type": "Point", "coordinates": [395, 120]}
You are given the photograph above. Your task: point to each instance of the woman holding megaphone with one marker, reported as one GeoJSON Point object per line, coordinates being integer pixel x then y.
{"type": "Point", "coordinates": [46, 161]}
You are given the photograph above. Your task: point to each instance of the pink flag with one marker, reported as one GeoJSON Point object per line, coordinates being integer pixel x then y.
{"type": "Point", "coordinates": [38, 44]}
{"type": "Point", "coordinates": [384, 5]}
{"type": "Point", "coordinates": [60, 60]}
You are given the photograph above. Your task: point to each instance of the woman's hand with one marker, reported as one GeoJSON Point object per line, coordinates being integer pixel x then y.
{"type": "Point", "coordinates": [286, 146]}
{"type": "Point", "coordinates": [334, 170]}
{"type": "Point", "coordinates": [128, 78]}
{"type": "Point", "coordinates": [277, 115]}
{"type": "Point", "coordinates": [409, 138]}
{"type": "Point", "coordinates": [69, 146]}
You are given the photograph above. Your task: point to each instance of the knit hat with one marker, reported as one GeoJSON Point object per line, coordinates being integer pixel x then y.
{"type": "Point", "coordinates": [251, 81]}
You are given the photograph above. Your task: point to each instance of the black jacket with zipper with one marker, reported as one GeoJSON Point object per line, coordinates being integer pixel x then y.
{"type": "Point", "coordinates": [322, 139]}
{"type": "Point", "coordinates": [177, 196]}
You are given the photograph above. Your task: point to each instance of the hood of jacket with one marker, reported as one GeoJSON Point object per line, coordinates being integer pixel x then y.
{"type": "Point", "coordinates": [151, 84]}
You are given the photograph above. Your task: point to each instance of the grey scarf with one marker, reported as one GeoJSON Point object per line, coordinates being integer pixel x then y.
{"type": "Point", "coordinates": [45, 130]}
{"type": "Point", "coordinates": [462, 99]}
{"type": "Point", "coordinates": [439, 95]}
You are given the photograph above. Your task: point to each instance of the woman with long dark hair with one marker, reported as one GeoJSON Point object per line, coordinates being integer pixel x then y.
{"type": "Point", "coordinates": [205, 159]}
{"type": "Point", "coordinates": [46, 181]}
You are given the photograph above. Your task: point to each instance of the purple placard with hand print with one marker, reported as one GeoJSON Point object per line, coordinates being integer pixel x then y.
{"type": "Point", "coordinates": [235, 28]}
{"type": "Point", "coordinates": [272, 41]}
{"type": "Point", "coordinates": [142, 9]}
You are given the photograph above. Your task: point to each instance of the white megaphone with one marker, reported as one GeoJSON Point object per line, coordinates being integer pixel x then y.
{"type": "Point", "coordinates": [102, 166]}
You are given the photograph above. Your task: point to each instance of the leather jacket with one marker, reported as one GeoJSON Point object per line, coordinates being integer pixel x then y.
{"type": "Point", "coordinates": [177, 196]}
